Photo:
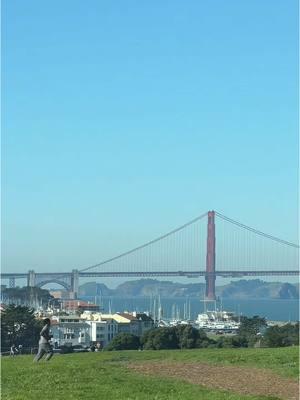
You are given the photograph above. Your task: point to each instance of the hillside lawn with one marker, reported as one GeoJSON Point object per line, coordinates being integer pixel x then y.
{"type": "Point", "coordinates": [106, 375]}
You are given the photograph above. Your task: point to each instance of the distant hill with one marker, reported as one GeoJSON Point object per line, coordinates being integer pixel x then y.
{"type": "Point", "coordinates": [95, 289]}
{"type": "Point", "coordinates": [256, 288]}
{"type": "Point", "coordinates": [242, 289]}
{"type": "Point", "coordinates": [148, 287]}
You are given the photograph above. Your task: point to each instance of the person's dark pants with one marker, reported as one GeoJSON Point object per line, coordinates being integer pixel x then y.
{"type": "Point", "coordinates": [44, 348]}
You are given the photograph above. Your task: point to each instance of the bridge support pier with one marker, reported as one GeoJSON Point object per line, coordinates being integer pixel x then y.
{"type": "Point", "coordinates": [74, 283]}
{"type": "Point", "coordinates": [12, 282]}
{"type": "Point", "coordinates": [210, 275]}
{"type": "Point", "coordinates": [31, 278]}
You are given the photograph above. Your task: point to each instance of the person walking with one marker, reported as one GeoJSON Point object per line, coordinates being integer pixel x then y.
{"type": "Point", "coordinates": [20, 348]}
{"type": "Point", "coordinates": [44, 345]}
{"type": "Point", "coordinates": [13, 351]}
{"type": "Point", "coordinates": [98, 346]}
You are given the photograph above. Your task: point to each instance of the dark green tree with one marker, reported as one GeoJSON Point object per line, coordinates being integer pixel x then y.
{"type": "Point", "coordinates": [281, 336]}
{"type": "Point", "coordinates": [190, 337]}
{"type": "Point", "coordinates": [27, 295]}
{"type": "Point", "coordinates": [250, 327]}
{"type": "Point", "coordinates": [187, 336]}
{"type": "Point", "coordinates": [232, 341]}
{"type": "Point", "coordinates": [161, 338]}
{"type": "Point", "coordinates": [273, 337]}
{"type": "Point", "coordinates": [203, 340]}
{"type": "Point", "coordinates": [19, 326]}
{"type": "Point", "coordinates": [177, 337]}
{"type": "Point", "coordinates": [124, 341]}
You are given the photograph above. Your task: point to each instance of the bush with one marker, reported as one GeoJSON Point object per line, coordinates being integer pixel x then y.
{"type": "Point", "coordinates": [250, 327]}
{"type": "Point", "coordinates": [176, 337]}
{"type": "Point", "coordinates": [160, 338]}
{"type": "Point", "coordinates": [124, 341]}
{"type": "Point", "coordinates": [281, 336]}
{"type": "Point", "coordinates": [232, 341]}
{"type": "Point", "coordinates": [66, 349]}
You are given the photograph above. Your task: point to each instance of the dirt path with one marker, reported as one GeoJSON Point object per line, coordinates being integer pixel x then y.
{"type": "Point", "coordinates": [251, 381]}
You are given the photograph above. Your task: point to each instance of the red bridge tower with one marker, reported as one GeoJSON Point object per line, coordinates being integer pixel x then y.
{"type": "Point", "coordinates": [210, 275]}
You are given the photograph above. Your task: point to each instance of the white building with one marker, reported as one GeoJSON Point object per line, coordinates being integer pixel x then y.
{"type": "Point", "coordinates": [96, 328]}
{"type": "Point", "coordinates": [70, 329]}
{"type": "Point", "coordinates": [102, 331]}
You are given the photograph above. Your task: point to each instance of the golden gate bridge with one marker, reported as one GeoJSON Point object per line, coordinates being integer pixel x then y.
{"type": "Point", "coordinates": [210, 245]}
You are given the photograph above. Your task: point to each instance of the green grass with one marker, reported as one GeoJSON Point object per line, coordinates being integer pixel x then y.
{"type": "Point", "coordinates": [105, 376]}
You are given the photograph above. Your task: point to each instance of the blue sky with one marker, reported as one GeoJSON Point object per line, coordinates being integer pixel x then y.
{"type": "Point", "coordinates": [122, 120]}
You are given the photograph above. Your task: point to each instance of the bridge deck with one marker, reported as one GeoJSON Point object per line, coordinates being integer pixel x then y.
{"type": "Point", "coordinates": [189, 274]}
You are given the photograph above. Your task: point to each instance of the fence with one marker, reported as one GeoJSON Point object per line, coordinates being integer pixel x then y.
{"type": "Point", "coordinates": [25, 350]}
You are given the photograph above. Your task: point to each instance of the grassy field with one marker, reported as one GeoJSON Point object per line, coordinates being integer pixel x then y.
{"type": "Point", "coordinates": [105, 375]}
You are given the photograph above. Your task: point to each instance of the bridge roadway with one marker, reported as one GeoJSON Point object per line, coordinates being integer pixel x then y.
{"type": "Point", "coordinates": [189, 274]}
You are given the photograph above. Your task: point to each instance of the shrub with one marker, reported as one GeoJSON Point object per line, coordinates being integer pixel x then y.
{"type": "Point", "coordinates": [66, 349]}
{"type": "Point", "coordinates": [124, 341]}
{"type": "Point", "coordinates": [281, 336]}
{"type": "Point", "coordinates": [176, 337]}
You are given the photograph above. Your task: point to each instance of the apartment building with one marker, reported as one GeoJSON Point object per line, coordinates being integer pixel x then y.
{"type": "Point", "coordinates": [95, 328]}
{"type": "Point", "coordinates": [103, 331]}
{"type": "Point", "coordinates": [70, 329]}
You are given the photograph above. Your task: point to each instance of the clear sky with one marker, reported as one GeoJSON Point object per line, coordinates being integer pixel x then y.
{"type": "Point", "coordinates": [123, 119]}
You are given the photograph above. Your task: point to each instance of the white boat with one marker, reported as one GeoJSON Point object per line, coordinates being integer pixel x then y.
{"type": "Point", "coordinates": [217, 320]}
{"type": "Point", "coordinates": [175, 322]}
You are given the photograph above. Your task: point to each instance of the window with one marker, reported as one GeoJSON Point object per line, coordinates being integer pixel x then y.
{"type": "Point", "coordinates": [69, 336]}
{"type": "Point", "coordinates": [100, 328]}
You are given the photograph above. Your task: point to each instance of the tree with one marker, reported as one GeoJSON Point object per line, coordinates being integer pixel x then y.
{"type": "Point", "coordinates": [232, 341]}
{"type": "Point", "coordinates": [249, 331]}
{"type": "Point", "coordinates": [19, 326]}
{"type": "Point", "coordinates": [27, 295]}
{"type": "Point", "coordinates": [281, 336]}
{"type": "Point", "coordinates": [160, 338]}
{"type": "Point", "coordinates": [176, 337]}
{"type": "Point", "coordinates": [124, 341]}
{"type": "Point", "coordinates": [186, 336]}
{"type": "Point", "coordinates": [251, 326]}
{"type": "Point", "coordinates": [190, 337]}
{"type": "Point", "coordinates": [203, 340]}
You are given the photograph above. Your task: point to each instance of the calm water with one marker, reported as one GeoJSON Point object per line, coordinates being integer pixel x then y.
{"type": "Point", "coordinates": [278, 310]}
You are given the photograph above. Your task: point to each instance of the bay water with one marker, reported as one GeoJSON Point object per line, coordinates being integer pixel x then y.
{"type": "Point", "coordinates": [271, 309]}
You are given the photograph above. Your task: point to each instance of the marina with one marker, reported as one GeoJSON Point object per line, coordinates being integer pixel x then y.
{"type": "Point", "coordinates": [212, 320]}
{"type": "Point", "coordinates": [173, 308]}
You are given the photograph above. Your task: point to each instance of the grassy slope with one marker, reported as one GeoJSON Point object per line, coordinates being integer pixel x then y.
{"type": "Point", "coordinates": [105, 376]}
{"type": "Point", "coordinates": [284, 361]}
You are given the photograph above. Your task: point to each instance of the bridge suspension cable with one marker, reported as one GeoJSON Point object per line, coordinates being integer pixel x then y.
{"type": "Point", "coordinates": [238, 248]}
{"type": "Point", "coordinates": [242, 248]}
{"type": "Point", "coordinates": [146, 244]}
{"type": "Point", "coordinates": [239, 224]}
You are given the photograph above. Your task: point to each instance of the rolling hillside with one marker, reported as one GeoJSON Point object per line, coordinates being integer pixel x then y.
{"type": "Point", "coordinates": [215, 374]}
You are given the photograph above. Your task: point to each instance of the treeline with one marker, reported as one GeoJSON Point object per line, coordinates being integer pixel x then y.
{"type": "Point", "coordinates": [252, 333]}
{"type": "Point", "coordinates": [26, 295]}
{"type": "Point", "coordinates": [19, 326]}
